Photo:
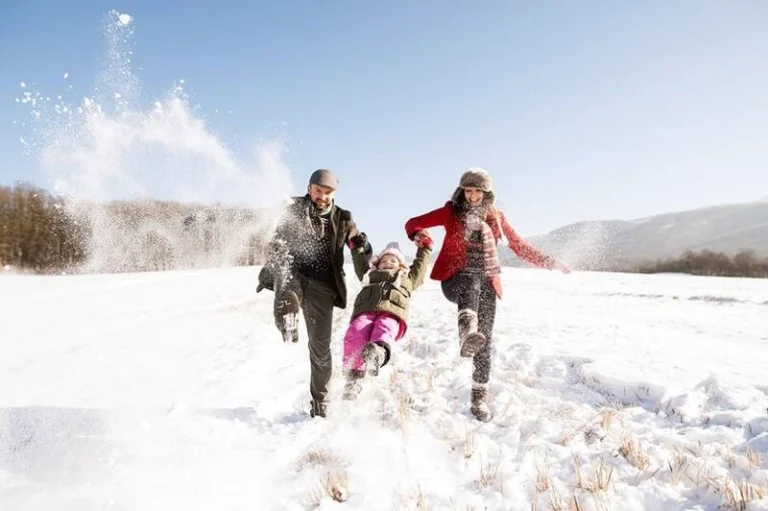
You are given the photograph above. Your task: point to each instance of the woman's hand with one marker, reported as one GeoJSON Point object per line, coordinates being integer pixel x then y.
{"type": "Point", "coordinates": [423, 239]}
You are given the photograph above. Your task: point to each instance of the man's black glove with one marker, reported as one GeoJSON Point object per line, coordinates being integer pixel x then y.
{"type": "Point", "coordinates": [266, 279]}
{"type": "Point", "coordinates": [360, 240]}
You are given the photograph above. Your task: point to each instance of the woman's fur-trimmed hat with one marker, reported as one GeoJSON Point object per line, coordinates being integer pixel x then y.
{"type": "Point", "coordinates": [473, 177]}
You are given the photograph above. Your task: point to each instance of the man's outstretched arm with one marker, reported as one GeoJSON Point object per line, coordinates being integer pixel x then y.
{"type": "Point", "coordinates": [360, 248]}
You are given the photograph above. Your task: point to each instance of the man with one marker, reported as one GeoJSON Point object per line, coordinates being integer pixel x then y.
{"type": "Point", "coordinates": [305, 269]}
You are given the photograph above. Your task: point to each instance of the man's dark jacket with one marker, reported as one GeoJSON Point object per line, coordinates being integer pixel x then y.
{"type": "Point", "coordinates": [293, 228]}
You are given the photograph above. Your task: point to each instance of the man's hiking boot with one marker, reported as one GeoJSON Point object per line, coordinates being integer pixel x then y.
{"type": "Point", "coordinates": [318, 409]}
{"type": "Point", "coordinates": [470, 340]}
{"type": "Point", "coordinates": [374, 356]}
{"type": "Point", "coordinates": [287, 316]}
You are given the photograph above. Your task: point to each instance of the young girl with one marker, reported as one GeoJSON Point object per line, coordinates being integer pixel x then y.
{"type": "Point", "coordinates": [468, 267]}
{"type": "Point", "coordinates": [380, 312]}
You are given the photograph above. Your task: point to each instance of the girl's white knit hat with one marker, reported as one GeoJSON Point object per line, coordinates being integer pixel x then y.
{"type": "Point", "coordinates": [392, 248]}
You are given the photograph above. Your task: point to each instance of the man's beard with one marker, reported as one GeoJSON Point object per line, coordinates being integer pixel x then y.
{"type": "Point", "coordinates": [321, 206]}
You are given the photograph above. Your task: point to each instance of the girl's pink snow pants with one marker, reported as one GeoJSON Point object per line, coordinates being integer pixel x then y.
{"type": "Point", "coordinates": [379, 327]}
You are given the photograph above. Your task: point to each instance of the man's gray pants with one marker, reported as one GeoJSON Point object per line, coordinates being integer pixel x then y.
{"type": "Point", "coordinates": [316, 301]}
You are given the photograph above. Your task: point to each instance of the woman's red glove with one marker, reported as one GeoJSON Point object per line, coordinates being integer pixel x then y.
{"type": "Point", "coordinates": [423, 239]}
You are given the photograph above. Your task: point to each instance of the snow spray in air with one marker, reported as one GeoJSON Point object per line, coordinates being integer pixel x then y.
{"type": "Point", "coordinates": [115, 157]}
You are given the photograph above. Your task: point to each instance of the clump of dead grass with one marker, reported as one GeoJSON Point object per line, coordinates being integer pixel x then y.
{"type": "Point", "coordinates": [429, 378]}
{"type": "Point", "coordinates": [491, 474]}
{"type": "Point", "coordinates": [602, 420]}
{"type": "Point", "coordinates": [544, 486]}
{"type": "Point", "coordinates": [469, 444]}
{"type": "Point", "coordinates": [632, 451]}
{"type": "Point", "coordinates": [318, 457]}
{"type": "Point", "coordinates": [596, 483]}
{"type": "Point", "coordinates": [736, 495]}
{"type": "Point", "coordinates": [404, 409]}
{"type": "Point", "coordinates": [332, 484]}
{"type": "Point", "coordinates": [753, 460]}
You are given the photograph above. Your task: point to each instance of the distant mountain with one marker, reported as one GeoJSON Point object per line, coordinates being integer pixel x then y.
{"type": "Point", "coordinates": [621, 243]}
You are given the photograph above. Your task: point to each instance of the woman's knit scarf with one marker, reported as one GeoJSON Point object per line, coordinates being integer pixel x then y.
{"type": "Point", "coordinates": [474, 220]}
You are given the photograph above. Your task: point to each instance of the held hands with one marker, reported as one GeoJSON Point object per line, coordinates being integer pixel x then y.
{"type": "Point", "coordinates": [358, 241]}
{"type": "Point", "coordinates": [423, 239]}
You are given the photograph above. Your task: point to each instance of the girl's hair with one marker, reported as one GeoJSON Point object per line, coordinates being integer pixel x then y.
{"type": "Point", "coordinates": [460, 206]}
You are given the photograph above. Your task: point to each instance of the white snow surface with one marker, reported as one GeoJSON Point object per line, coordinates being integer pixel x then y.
{"type": "Point", "coordinates": [173, 390]}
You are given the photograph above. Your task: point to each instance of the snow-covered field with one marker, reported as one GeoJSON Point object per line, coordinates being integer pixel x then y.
{"type": "Point", "coordinates": [162, 391]}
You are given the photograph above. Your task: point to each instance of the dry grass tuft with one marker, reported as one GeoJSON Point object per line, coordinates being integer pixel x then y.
{"type": "Point", "coordinates": [703, 477]}
{"type": "Point", "coordinates": [632, 451]}
{"type": "Point", "coordinates": [607, 415]}
{"type": "Point", "coordinates": [469, 444]}
{"type": "Point", "coordinates": [335, 485]}
{"type": "Point", "coordinates": [421, 501]}
{"type": "Point", "coordinates": [404, 409]}
{"type": "Point", "coordinates": [736, 496]}
{"type": "Point", "coordinates": [490, 474]}
{"type": "Point", "coordinates": [595, 485]}
{"type": "Point", "coordinates": [332, 484]}
{"type": "Point", "coordinates": [684, 466]}
{"type": "Point", "coordinates": [568, 437]}
{"type": "Point", "coordinates": [698, 451]}
{"type": "Point", "coordinates": [678, 467]}
{"type": "Point", "coordinates": [318, 457]}
{"type": "Point", "coordinates": [543, 482]}
{"type": "Point", "coordinates": [604, 418]}
{"type": "Point", "coordinates": [753, 460]}
{"type": "Point", "coordinates": [430, 379]}
{"type": "Point", "coordinates": [599, 480]}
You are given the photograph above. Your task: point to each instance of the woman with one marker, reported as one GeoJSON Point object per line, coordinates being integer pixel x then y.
{"type": "Point", "coordinates": [468, 267]}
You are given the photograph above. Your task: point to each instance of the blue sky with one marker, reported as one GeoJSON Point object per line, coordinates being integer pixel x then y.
{"type": "Point", "coordinates": [579, 110]}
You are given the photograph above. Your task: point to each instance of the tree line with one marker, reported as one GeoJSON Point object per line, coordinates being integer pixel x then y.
{"type": "Point", "coordinates": [36, 232]}
{"type": "Point", "coordinates": [710, 263]}
{"type": "Point", "coordinates": [44, 233]}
